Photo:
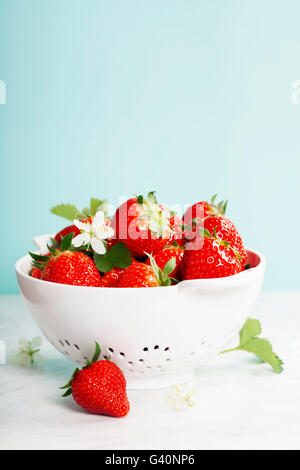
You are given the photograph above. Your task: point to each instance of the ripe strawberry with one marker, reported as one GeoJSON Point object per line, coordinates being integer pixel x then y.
{"type": "Point", "coordinates": [165, 255]}
{"type": "Point", "coordinates": [209, 258]}
{"type": "Point", "coordinates": [99, 388]}
{"type": "Point", "coordinates": [111, 278]}
{"type": "Point", "coordinates": [36, 272]}
{"type": "Point", "coordinates": [138, 275]}
{"type": "Point", "coordinates": [204, 209]}
{"type": "Point", "coordinates": [72, 267]}
{"type": "Point", "coordinates": [226, 230]}
{"type": "Point", "coordinates": [144, 225]}
{"type": "Point", "coordinates": [142, 275]}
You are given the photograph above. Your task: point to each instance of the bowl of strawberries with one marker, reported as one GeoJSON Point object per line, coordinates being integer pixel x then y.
{"type": "Point", "coordinates": [160, 293]}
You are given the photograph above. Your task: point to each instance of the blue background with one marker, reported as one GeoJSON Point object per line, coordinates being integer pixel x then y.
{"type": "Point", "coordinates": [189, 97]}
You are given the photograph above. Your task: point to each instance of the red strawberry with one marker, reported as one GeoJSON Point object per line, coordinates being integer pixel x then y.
{"type": "Point", "coordinates": [209, 258]}
{"type": "Point", "coordinates": [226, 230]}
{"type": "Point", "coordinates": [36, 272]}
{"type": "Point", "coordinates": [138, 275]}
{"type": "Point", "coordinates": [99, 388]}
{"type": "Point", "coordinates": [164, 255]}
{"type": "Point", "coordinates": [143, 225]}
{"type": "Point", "coordinates": [204, 209]}
{"type": "Point", "coordinates": [72, 267]}
{"type": "Point", "coordinates": [110, 279]}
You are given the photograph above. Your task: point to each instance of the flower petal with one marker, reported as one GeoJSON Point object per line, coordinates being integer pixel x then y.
{"type": "Point", "coordinates": [109, 232]}
{"type": "Point", "coordinates": [98, 223]}
{"type": "Point", "coordinates": [81, 240]}
{"type": "Point", "coordinates": [85, 227]}
{"type": "Point", "coordinates": [36, 342]}
{"type": "Point", "coordinates": [98, 246]}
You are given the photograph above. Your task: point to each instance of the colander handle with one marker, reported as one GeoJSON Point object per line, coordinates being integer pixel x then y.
{"type": "Point", "coordinates": [41, 241]}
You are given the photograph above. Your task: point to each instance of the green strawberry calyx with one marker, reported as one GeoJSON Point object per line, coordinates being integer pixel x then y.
{"type": "Point", "coordinates": [163, 276]}
{"type": "Point", "coordinates": [206, 234]}
{"type": "Point", "coordinates": [218, 209]}
{"type": "Point", "coordinates": [158, 218]}
{"type": "Point", "coordinates": [40, 261]}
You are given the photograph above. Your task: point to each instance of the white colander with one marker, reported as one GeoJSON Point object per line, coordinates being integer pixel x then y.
{"type": "Point", "coordinates": [157, 336]}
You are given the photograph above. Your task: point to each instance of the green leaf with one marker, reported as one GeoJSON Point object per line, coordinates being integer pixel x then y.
{"type": "Point", "coordinates": [96, 353]}
{"type": "Point", "coordinates": [94, 204]}
{"type": "Point", "coordinates": [261, 347]}
{"type": "Point", "coordinates": [117, 256]}
{"type": "Point", "coordinates": [140, 199]}
{"type": "Point", "coordinates": [250, 329]}
{"type": "Point", "coordinates": [67, 211]}
{"type": "Point", "coordinates": [66, 242]}
{"type": "Point", "coordinates": [169, 266]}
{"type": "Point", "coordinates": [152, 197]}
{"type": "Point", "coordinates": [38, 257]}
{"type": "Point", "coordinates": [67, 393]}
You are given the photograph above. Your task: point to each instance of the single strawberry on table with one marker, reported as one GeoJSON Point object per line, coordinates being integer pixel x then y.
{"type": "Point", "coordinates": [144, 225]}
{"type": "Point", "coordinates": [209, 257]}
{"type": "Point", "coordinates": [99, 388]}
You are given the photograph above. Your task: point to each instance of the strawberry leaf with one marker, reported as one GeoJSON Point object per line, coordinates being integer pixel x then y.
{"type": "Point", "coordinates": [117, 256]}
{"type": "Point", "coordinates": [67, 211]}
{"type": "Point", "coordinates": [95, 204]}
{"type": "Point", "coordinates": [261, 347]}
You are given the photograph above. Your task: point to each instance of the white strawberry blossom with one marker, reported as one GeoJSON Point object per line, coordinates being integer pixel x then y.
{"type": "Point", "coordinates": [93, 233]}
{"type": "Point", "coordinates": [182, 396]}
{"type": "Point", "coordinates": [28, 353]}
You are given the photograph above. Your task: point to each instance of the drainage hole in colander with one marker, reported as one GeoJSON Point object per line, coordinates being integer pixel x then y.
{"type": "Point", "coordinates": [111, 350]}
{"type": "Point", "coordinates": [61, 342]}
{"type": "Point", "coordinates": [67, 342]}
{"type": "Point", "coordinates": [148, 367]}
{"type": "Point", "coordinates": [85, 358]}
{"type": "Point", "coordinates": [156, 346]}
{"type": "Point", "coordinates": [77, 347]}
{"type": "Point", "coordinates": [146, 349]}
{"type": "Point", "coordinates": [106, 358]}
{"type": "Point", "coordinates": [167, 348]}
{"type": "Point", "coordinates": [66, 353]}
{"type": "Point", "coordinates": [168, 359]}
{"type": "Point", "coordinates": [141, 360]}
{"type": "Point", "coordinates": [122, 354]}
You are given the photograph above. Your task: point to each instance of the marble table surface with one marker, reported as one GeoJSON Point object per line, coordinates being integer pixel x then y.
{"type": "Point", "coordinates": [240, 403]}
